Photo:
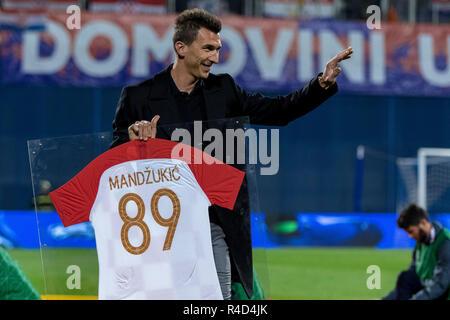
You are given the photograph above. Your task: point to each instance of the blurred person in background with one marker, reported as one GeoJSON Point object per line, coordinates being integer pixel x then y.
{"type": "Point", "coordinates": [392, 15]}
{"type": "Point", "coordinates": [14, 284]}
{"type": "Point", "coordinates": [186, 91]}
{"type": "Point", "coordinates": [217, 7]}
{"type": "Point", "coordinates": [357, 9]}
{"type": "Point", "coordinates": [428, 276]}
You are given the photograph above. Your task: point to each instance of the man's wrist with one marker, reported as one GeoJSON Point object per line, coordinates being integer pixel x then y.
{"type": "Point", "coordinates": [324, 84]}
{"type": "Point", "coordinates": [321, 82]}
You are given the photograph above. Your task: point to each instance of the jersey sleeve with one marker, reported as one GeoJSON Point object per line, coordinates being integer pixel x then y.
{"type": "Point", "coordinates": [219, 181]}
{"type": "Point", "coordinates": [73, 201]}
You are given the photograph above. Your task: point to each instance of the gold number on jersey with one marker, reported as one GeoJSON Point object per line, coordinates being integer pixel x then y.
{"type": "Point", "coordinates": [138, 221]}
{"type": "Point", "coordinates": [171, 222]}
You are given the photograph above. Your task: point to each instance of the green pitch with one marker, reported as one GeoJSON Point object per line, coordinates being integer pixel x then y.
{"type": "Point", "coordinates": [328, 273]}
{"type": "Point", "coordinates": [303, 274]}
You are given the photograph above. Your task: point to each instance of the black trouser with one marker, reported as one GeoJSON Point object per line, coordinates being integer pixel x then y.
{"type": "Point", "coordinates": [408, 284]}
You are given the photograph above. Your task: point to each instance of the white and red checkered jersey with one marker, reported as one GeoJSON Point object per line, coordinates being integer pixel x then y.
{"type": "Point", "coordinates": [149, 210]}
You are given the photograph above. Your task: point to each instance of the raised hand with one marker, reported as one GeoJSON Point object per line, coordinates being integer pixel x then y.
{"type": "Point", "coordinates": [332, 69]}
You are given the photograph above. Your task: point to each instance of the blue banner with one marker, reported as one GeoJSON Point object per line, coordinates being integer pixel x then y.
{"type": "Point", "coordinates": [19, 229]}
{"type": "Point", "coordinates": [261, 54]}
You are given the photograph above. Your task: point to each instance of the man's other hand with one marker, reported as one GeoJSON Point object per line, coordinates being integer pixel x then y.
{"type": "Point", "coordinates": [143, 129]}
{"type": "Point", "coordinates": [332, 69]}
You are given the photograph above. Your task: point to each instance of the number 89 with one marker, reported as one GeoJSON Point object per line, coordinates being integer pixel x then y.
{"type": "Point", "coordinates": [138, 221]}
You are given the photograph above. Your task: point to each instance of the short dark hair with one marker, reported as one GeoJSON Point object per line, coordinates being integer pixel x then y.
{"type": "Point", "coordinates": [411, 216]}
{"type": "Point", "coordinates": [190, 21]}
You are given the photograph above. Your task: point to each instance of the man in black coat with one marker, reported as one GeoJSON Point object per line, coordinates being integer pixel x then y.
{"type": "Point", "coordinates": [187, 91]}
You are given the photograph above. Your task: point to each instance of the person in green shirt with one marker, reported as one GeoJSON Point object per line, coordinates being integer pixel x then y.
{"type": "Point", "coordinates": [14, 284]}
{"type": "Point", "coordinates": [428, 276]}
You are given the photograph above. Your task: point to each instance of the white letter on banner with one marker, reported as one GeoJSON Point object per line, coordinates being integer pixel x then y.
{"type": "Point", "coordinates": [270, 67]}
{"type": "Point", "coordinates": [377, 58]}
{"type": "Point", "coordinates": [426, 61]}
{"type": "Point", "coordinates": [147, 40]}
{"type": "Point", "coordinates": [33, 63]}
{"type": "Point", "coordinates": [238, 55]}
{"type": "Point", "coordinates": [305, 60]}
{"type": "Point", "coordinates": [119, 49]}
{"type": "Point", "coordinates": [330, 46]}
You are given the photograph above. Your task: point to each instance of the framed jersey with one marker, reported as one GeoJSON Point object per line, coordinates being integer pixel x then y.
{"type": "Point", "coordinates": [132, 222]}
{"type": "Point", "coordinates": [150, 216]}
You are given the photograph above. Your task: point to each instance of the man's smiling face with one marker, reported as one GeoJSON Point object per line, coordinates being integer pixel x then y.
{"type": "Point", "coordinates": [201, 54]}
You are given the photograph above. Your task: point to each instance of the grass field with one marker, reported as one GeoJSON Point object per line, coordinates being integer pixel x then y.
{"type": "Point", "coordinates": [297, 273]}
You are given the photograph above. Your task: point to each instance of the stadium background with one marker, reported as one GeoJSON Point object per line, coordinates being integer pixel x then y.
{"type": "Point", "coordinates": [320, 174]}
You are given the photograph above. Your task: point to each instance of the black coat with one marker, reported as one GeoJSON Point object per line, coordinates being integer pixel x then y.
{"type": "Point", "coordinates": [223, 99]}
